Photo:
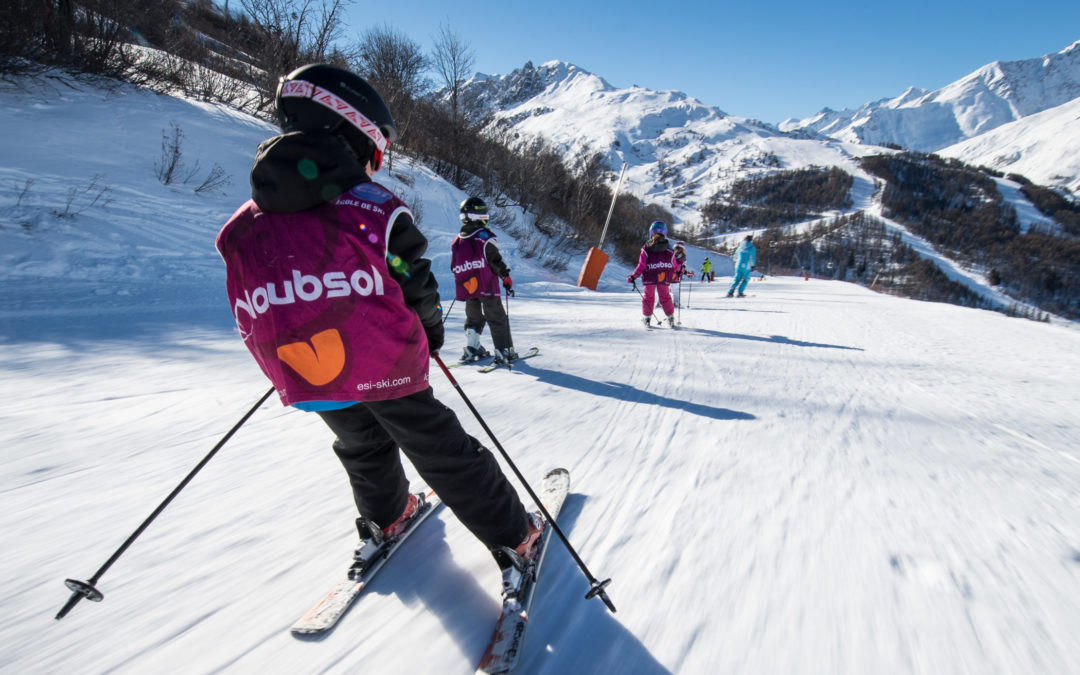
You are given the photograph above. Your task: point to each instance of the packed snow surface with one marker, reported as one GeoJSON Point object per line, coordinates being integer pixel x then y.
{"type": "Point", "coordinates": [812, 479]}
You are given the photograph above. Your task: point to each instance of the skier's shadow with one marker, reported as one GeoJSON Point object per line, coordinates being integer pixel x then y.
{"type": "Point", "coordinates": [570, 634]}
{"type": "Point", "coordinates": [446, 590]}
{"type": "Point", "coordinates": [755, 310]}
{"type": "Point", "coordinates": [776, 339]}
{"type": "Point", "coordinates": [625, 392]}
{"type": "Point", "coordinates": [425, 575]}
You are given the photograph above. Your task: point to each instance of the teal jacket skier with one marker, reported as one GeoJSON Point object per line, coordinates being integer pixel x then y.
{"type": "Point", "coordinates": [745, 260]}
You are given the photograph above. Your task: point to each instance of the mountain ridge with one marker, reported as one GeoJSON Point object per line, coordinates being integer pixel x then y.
{"type": "Point", "coordinates": [994, 94]}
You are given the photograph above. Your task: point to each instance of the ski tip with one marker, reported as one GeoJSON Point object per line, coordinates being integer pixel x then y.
{"type": "Point", "coordinates": [557, 476]}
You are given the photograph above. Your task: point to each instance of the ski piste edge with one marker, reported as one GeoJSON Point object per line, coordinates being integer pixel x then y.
{"type": "Point", "coordinates": [507, 639]}
{"type": "Point", "coordinates": [333, 606]}
{"type": "Point", "coordinates": [532, 351]}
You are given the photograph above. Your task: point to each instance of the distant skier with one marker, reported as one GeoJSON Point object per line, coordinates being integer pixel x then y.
{"type": "Point", "coordinates": [680, 257]}
{"type": "Point", "coordinates": [745, 260]}
{"type": "Point", "coordinates": [657, 268]}
{"type": "Point", "coordinates": [326, 279]}
{"type": "Point", "coordinates": [706, 271]}
{"type": "Point", "coordinates": [478, 267]}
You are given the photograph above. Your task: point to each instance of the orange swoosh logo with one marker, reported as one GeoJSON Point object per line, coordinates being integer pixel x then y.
{"type": "Point", "coordinates": [471, 284]}
{"type": "Point", "coordinates": [318, 362]}
{"type": "Point", "coordinates": [661, 277]}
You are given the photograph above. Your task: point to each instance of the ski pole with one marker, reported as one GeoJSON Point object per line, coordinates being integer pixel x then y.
{"type": "Point", "coordinates": [596, 588]}
{"type": "Point", "coordinates": [508, 293]}
{"type": "Point", "coordinates": [652, 310]}
{"type": "Point", "coordinates": [86, 589]}
{"type": "Point", "coordinates": [689, 291]}
{"type": "Point", "coordinates": [680, 299]}
{"type": "Point", "coordinates": [448, 311]}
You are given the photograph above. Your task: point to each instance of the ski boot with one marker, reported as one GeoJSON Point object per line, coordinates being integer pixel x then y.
{"type": "Point", "coordinates": [375, 541]}
{"type": "Point", "coordinates": [518, 565]}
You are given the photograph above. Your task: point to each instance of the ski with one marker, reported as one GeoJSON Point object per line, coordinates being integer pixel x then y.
{"type": "Point", "coordinates": [328, 611]}
{"type": "Point", "coordinates": [533, 351]}
{"type": "Point", "coordinates": [519, 586]}
{"type": "Point", "coordinates": [482, 360]}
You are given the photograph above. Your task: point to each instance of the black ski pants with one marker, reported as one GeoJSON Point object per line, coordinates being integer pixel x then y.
{"type": "Point", "coordinates": [489, 309]}
{"type": "Point", "coordinates": [462, 472]}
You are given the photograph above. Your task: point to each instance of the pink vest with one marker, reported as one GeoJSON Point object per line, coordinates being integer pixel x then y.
{"type": "Point", "coordinates": [473, 277]}
{"type": "Point", "coordinates": [315, 303]}
{"type": "Point", "coordinates": [657, 267]}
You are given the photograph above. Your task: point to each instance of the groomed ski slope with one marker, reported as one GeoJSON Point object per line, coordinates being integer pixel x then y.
{"type": "Point", "coordinates": [815, 479]}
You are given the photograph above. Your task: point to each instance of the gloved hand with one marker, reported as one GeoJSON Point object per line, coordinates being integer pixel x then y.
{"type": "Point", "coordinates": [435, 334]}
{"type": "Point", "coordinates": [507, 282]}
{"type": "Point", "coordinates": [631, 279]}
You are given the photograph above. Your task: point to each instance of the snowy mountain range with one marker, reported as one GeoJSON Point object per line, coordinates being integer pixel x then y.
{"type": "Point", "coordinates": [996, 94]}
{"type": "Point", "coordinates": [680, 151]}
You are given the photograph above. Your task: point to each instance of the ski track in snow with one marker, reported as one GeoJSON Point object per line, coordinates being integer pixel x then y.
{"type": "Point", "coordinates": [815, 479]}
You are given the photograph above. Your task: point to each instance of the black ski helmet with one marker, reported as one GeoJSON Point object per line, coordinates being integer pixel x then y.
{"type": "Point", "coordinates": [473, 208]}
{"type": "Point", "coordinates": [321, 97]}
{"type": "Point", "coordinates": [749, 237]}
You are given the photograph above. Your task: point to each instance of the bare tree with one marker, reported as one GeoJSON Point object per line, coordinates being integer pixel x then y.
{"type": "Point", "coordinates": [394, 64]}
{"type": "Point", "coordinates": [295, 32]}
{"type": "Point", "coordinates": [453, 59]}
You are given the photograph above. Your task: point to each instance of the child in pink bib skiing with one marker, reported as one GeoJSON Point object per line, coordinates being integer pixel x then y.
{"type": "Point", "coordinates": [478, 269]}
{"type": "Point", "coordinates": [329, 286]}
{"type": "Point", "coordinates": [657, 267]}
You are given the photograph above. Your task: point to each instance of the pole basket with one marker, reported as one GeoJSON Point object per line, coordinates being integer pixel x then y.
{"type": "Point", "coordinates": [592, 269]}
{"type": "Point", "coordinates": [85, 589]}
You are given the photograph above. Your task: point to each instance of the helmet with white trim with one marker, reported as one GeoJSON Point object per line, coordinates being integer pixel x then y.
{"type": "Point", "coordinates": [321, 97]}
{"type": "Point", "coordinates": [473, 208]}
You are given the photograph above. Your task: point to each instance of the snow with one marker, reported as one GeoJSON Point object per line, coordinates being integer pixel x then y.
{"type": "Point", "coordinates": [1041, 147]}
{"type": "Point", "coordinates": [814, 479]}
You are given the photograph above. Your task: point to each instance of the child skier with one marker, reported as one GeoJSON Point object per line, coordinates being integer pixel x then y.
{"type": "Point", "coordinates": [657, 268]}
{"type": "Point", "coordinates": [706, 271]}
{"type": "Point", "coordinates": [478, 267]}
{"type": "Point", "coordinates": [680, 257]}
{"type": "Point", "coordinates": [745, 260]}
{"type": "Point", "coordinates": [327, 283]}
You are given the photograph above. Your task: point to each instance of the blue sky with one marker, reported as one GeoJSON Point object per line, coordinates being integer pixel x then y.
{"type": "Point", "coordinates": [765, 60]}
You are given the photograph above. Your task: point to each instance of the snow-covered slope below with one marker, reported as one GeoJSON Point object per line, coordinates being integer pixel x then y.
{"type": "Point", "coordinates": [814, 479]}
{"type": "Point", "coordinates": [996, 94]}
{"type": "Point", "coordinates": [1044, 147]}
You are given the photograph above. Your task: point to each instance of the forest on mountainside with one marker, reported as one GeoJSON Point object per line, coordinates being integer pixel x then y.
{"type": "Point", "coordinates": [860, 248]}
{"type": "Point", "coordinates": [769, 199]}
{"type": "Point", "coordinates": [959, 210]}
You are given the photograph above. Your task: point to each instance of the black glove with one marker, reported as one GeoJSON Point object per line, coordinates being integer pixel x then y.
{"type": "Point", "coordinates": [435, 334]}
